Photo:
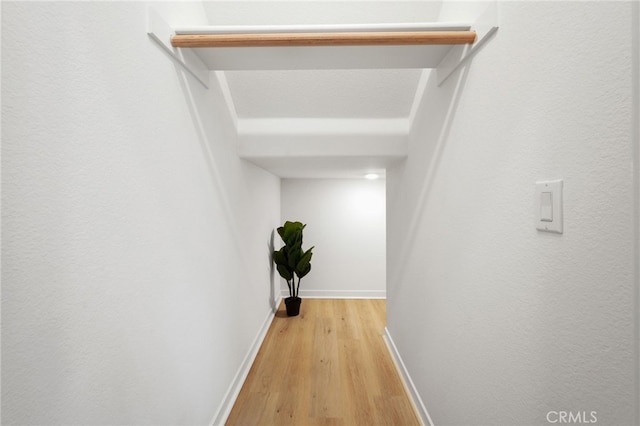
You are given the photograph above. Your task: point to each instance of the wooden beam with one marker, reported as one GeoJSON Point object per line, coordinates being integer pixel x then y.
{"type": "Point", "coordinates": [324, 39]}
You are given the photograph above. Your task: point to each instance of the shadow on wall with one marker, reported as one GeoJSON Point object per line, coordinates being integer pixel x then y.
{"type": "Point", "coordinates": [272, 280]}
{"type": "Point", "coordinates": [192, 89]}
{"type": "Point", "coordinates": [437, 118]}
{"type": "Point", "coordinates": [434, 121]}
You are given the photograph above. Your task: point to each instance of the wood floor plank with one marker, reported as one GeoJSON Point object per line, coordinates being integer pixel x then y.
{"type": "Point", "coordinates": [328, 366]}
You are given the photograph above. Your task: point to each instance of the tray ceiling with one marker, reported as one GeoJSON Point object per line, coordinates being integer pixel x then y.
{"type": "Point", "coordinates": [323, 93]}
{"type": "Point", "coordinates": [333, 95]}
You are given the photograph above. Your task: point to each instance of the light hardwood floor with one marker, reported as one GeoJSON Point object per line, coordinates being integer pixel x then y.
{"type": "Point", "coordinates": [328, 366]}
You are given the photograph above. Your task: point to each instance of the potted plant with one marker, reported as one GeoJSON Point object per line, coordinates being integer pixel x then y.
{"type": "Point", "coordinates": [291, 262]}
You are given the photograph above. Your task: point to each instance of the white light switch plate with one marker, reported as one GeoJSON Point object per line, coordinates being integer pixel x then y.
{"type": "Point", "coordinates": [548, 218]}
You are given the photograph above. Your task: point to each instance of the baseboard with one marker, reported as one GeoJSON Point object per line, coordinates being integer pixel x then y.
{"type": "Point", "coordinates": [414, 396]}
{"type": "Point", "coordinates": [340, 294]}
{"type": "Point", "coordinates": [220, 417]}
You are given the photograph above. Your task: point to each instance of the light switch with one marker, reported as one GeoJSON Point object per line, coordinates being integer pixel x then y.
{"type": "Point", "coordinates": [548, 206]}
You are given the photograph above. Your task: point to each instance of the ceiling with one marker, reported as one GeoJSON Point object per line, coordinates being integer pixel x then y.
{"type": "Point", "coordinates": [291, 116]}
{"type": "Point", "coordinates": [385, 93]}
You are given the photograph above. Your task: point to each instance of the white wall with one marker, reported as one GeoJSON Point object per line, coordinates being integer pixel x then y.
{"type": "Point", "coordinates": [346, 223]}
{"type": "Point", "coordinates": [135, 246]}
{"type": "Point", "coordinates": [635, 49]}
{"type": "Point", "coordinates": [496, 322]}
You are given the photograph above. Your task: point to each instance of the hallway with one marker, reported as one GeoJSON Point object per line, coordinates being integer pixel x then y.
{"type": "Point", "coordinates": [330, 365]}
{"type": "Point", "coordinates": [142, 189]}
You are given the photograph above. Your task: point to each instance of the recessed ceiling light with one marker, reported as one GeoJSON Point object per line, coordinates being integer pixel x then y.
{"type": "Point", "coordinates": [371, 176]}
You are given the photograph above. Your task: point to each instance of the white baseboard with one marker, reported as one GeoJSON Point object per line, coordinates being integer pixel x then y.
{"type": "Point", "coordinates": [416, 401]}
{"type": "Point", "coordinates": [220, 417]}
{"type": "Point", "coordinates": [339, 294]}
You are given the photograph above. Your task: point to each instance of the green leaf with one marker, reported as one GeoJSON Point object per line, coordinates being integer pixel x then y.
{"type": "Point", "coordinates": [280, 257]}
{"type": "Point", "coordinates": [284, 272]}
{"type": "Point", "coordinates": [291, 232]}
{"type": "Point", "coordinates": [305, 259]}
{"type": "Point", "coordinates": [291, 259]}
{"type": "Point", "coordinates": [290, 229]}
{"type": "Point", "coordinates": [281, 260]}
{"type": "Point", "coordinates": [304, 271]}
{"type": "Point", "coordinates": [303, 266]}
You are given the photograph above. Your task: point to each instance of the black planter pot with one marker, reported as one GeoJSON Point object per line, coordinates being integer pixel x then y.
{"type": "Point", "coordinates": [293, 306]}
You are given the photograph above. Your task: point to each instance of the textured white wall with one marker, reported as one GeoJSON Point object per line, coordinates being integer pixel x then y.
{"type": "Point", "coordinates": [498, 323]}
{"type": "Point", "coordinates": [346, 223]}
{"type": "Point", "coordinates": [135, 246]}
{"type": "Point", "coordinates": [635, 49]}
